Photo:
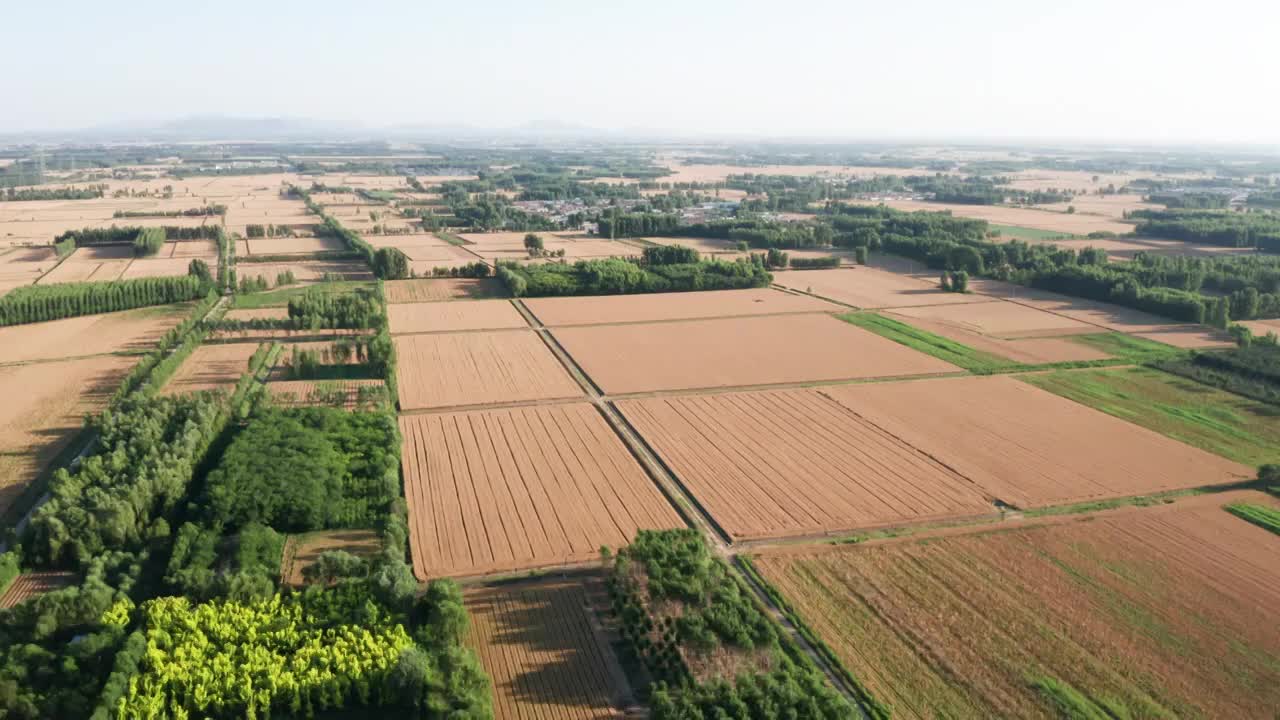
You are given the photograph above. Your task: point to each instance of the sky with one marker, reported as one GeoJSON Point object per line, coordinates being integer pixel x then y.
{"type": "Point", "coordinates": [1116, 70]}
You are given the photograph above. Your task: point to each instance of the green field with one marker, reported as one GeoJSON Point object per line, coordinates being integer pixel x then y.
{"type": "Point", "coordinates": [1123, 349]}
{"type": "Point", "coordinates": [1025, 233]}
{"type": "Point", "coordinates": [953, 352]}
{"type": "Point", "coordinates": [1260, 515]}
{"type": "Point", "coordinates": [280, 298]}
{"type": "Point", "coordinates": [1230, 425]}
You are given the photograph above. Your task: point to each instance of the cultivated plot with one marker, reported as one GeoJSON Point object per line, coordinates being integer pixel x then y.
{"type": "Point", "coordinates": [544, 654]}
{"type": "Point", "coordinates": [211, 367]}
{"type": "Point", "coordinates": [30, 584]}
{"type": "Point", "coordinates": [501, 490]}
{"type": "Point", "coordinates": [1031, 448]}
{"type": "Point", "coordinates": [737, 352]}
{"type": "Point", "coordinates": [795, 463]}
{"type": "Point", "coordinates": [444, 317]}
{"type": "Point", "coordinates": [127, 331]}
{"type": "Point", "coordinates": [1166, 611]}
{"type": "Point", "coordinates": [1001, 319]}
{"type": "Point", "coordinates": [1032, 351]}
{"type": "Point", "coordinates": [293, 245]}
{"type": "Point", "coordinates": [305, 270]}
{"type": "Point", "coordinates": [672, 306]}
{"type": "Point", "coordinates": [44, 408]}
{"type": "Point", "coordinates": [302, 551]}
{"type": "Point", "coordinates": [478, 368]}
{"type": "Point", "coordinates": [346, 394]}
{"type": "Point", "coordinates": [437, 290]}
{"type": "Point", "coordinates": [865, 287]}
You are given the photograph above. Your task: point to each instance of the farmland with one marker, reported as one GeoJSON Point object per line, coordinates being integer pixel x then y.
{"type": "Point", "coordinates": [795, 463]}
{"type": "Point", "coordinates": [445, 317]}
{"type": "Point", "coordinates": [410, 291]}
{"type": "Point", "coordinates": [506, 489]}
{"type": "Point", "coordinates": [31, 584]}
{"type": "Point", "coordinates": [731, 353]}
{"type": "Point", "coordinates": [1162, 611]}
{"type": "Point", "coordinates": [1229, 425]}
{"type": "Point", "coordinates": [866, 287]}
{"type": "Point", "coordinates": [121, 332]}
{"type": "Point", "coordinates": [1024, 445]}
{"type": "Point", "coordinates": [546, 657]}
{"type": "Point", "coordinates": [847, 482]}
{"type": "Point", "coordinates": [212, 367]}
{"type": "Point", "coordinates": [44, 408]}
{"type": "Point", "coordinates": [476, 368]}
{"type": "Point", "coordinates": [671, 306]}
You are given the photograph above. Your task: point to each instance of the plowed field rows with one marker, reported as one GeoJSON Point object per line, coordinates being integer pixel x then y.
{"type": "Point", "coordinates": [1166, 611]}
{"type": "Point", "coordinates": [866, 287]}
{"type": "Point", "coordinates": [736, 352]}
{"type": "Point", "coordinates": [434, 290]}
{"type": "Point", "coordinates": [1029, 447]}
{"type": "Point", "coordinates": [42, 407]}
{"type": "Point", "coordinates": [442, 317]}
{"type": "Point", "coordinates": [671, 306]}
{"type": "Point", "coordinates": [451, 370]}
{"type": "Point", "coordinates": [28, 585]}
{"type": "Point", "coordinates": [1002, 319]}
{"type": "Point", "coordinates": [542, 653]}
{"type": "Point", "coordinates": [127, 331]}
{"type": "Point", "coordinates": [790, 463]}
{"type": "Point", "coordinates": [511, 489]}
{"type": "Point", "coordinates": [211, 367]}
{"type": "Point", "coordinates": [330, 393]}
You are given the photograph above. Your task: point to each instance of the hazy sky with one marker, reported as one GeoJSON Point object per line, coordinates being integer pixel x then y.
{"type": "Point", "coordinates": [1089, 69]}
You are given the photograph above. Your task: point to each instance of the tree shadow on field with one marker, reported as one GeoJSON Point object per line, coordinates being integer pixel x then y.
{"type": "Point", "coordinates": [548, 626]}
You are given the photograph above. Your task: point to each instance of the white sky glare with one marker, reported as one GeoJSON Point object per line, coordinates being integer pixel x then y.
{"type": "Point", "coordinates": [1114, 70]}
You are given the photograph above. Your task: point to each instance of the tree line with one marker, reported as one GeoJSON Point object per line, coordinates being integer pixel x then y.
{"type": "Point", "coordinates": [614, 276]}
{"type": "Point", "coordinates": [90, 192]}
{"type": "Point", "coordinates": [707, 611]}
{"type": "Point", "coordinates": [40, 303]}
{"type": "Point", "coordinates": [1231, 229]}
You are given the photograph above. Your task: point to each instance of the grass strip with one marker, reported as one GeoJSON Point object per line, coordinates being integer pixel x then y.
{"type": "Point", "coordinates": [928, 343]}
{"type": "Point", "coordinates": [1264, 517]}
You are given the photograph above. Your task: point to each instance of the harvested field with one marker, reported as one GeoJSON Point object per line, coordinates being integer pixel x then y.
{"type": "Point", "coordinates": [306, 270]}
{"type": "Point", "coordinates": [412, 240]}
{"type": "Point", "coordinates": [445, 317]}
{"type": "Point", "coordinates": [795, 463]}
{"type": "Point", "coordinates": [737, 352]}
{"type": "Point", "coordinates": [1105, 315]}
{"type": "Point", "coordinates": [23, 266]}
{"type": "Point", "coordinates": [301, 551]}
{"type": "Point", "coordinates": [1190, 336]}
{"type": "Point", "coordinates": [1031, 448]}
{"type": "Point", "coordinates": [211, 367]}
{"type": "Point", "coordinates": [1262, 327]}
{"type": "Point", "coordinates": [479, 368]}
{"type": "Point", "coordinates": [293, 245]}
{"type": "Point", "coordinates": [156, 267]}
{"type": "Point", "coordinates": [435, 290]}
{"type": "Point", "coordinates": [1220, 422]}
{"type": "Point", "coordinates": [671, 306]}
{"type": "Point", "coordinates": [128, 331]}
{"type": "Point", "coordinates": [43, 410]}
{"type": "Point", "coordinates": [500, 490]}
{"type": "Point", "coordinates": [191, 249]}
{"type": "Point", "coordinates": [30, 584]}
{"type": "Point", "coordinates": [1166, 611]}
{"type": "Point", "coordinates": [1000, 319]}
{"type": "Point", "coordinates": [544, 653]}
{"type": "Point", "coordinates": [442, 255]}
{"type": "Point", "coordinates": [1032, 351]}
{"type": "Point", "coordinates": [866, 287]}
{"type": "Point", "coordinates": [328, 393]}
{"type": "Point", "coordinates": [1074, 224]}
{"type": "Point", "coordinates": [266, 313]}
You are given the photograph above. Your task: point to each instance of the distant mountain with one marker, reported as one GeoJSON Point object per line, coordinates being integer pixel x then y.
{"type": "Point", "coordinates": [225, 127]}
